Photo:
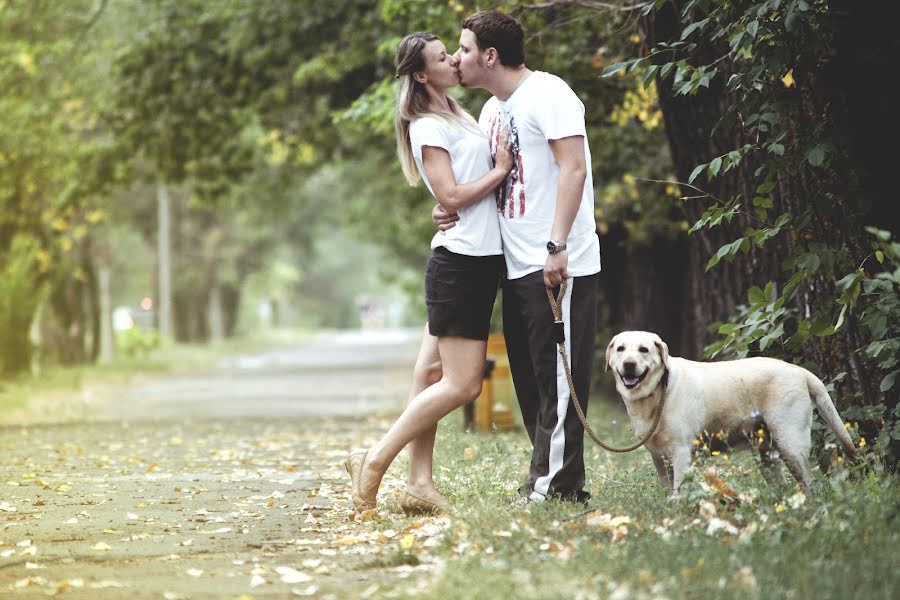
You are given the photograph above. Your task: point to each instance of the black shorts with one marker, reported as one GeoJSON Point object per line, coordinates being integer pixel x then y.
{"type": "Point", "coordinates": [460, 292]}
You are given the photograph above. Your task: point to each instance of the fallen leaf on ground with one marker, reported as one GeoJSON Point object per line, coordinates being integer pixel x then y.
{"type": "Point", "coordinates": [290, 575]}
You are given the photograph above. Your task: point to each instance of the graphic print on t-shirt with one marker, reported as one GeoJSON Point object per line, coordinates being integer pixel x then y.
{"type": "Point", "coordinates": [511, 194]}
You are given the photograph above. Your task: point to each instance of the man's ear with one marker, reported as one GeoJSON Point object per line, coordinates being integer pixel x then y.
{"type": "Point", "coordinates": [492, 58]}
{"type": "Point", "coordinates": [663, 350]}
{"type": "Point", "coordinates": [608, 354]}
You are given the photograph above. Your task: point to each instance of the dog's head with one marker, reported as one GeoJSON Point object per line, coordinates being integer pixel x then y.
{"type": "Point", "coordinates": [638, 359]}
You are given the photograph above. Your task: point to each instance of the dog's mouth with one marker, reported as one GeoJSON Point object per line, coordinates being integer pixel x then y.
{"type": "Point", "coordinates": [631, 381]}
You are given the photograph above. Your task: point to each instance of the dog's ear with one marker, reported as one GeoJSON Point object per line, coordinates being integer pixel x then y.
{"type": "Point", "coordinates": [608, 355]}
{"type": "Point", "coordinates": [663, 350]}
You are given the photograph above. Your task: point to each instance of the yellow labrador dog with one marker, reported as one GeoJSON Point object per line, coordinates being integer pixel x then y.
{"type": "Point", "coordinates": [731, 398]}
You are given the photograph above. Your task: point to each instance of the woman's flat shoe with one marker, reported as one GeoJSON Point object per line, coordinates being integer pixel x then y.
{"type": "Point", "coordinates": [354, 466]}
{"type": "Point", "coordinates": [414, 505]}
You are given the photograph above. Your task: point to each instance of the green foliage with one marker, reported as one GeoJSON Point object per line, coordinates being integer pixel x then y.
{"type": "Point", "coordinates": [137, 342]}
{"type": "Point", "coordinates": [20, 295]}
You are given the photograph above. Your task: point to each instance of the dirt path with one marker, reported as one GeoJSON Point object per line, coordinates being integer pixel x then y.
{"type": "Point", "coordinates": [254, 504]}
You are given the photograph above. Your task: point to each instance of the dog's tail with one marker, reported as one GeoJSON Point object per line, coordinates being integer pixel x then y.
{"type": "Point", "coordinates": [829, 413]}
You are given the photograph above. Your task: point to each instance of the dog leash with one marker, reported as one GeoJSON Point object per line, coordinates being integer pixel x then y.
{"type": "Point", "coordinates": [560, 331]}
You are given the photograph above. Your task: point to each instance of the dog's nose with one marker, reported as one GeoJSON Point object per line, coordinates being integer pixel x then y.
{"type": "Point", "coordinates": [629, 366]}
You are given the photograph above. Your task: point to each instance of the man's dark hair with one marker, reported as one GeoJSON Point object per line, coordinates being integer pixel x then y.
{"type": "Point", "coordinates": [494, 29]}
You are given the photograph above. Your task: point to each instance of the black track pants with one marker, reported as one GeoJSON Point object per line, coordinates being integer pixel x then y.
{"type": "Point", "coordinates": [557, 462]}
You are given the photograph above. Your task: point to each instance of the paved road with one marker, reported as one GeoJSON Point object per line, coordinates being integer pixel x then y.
{"type": "Point", "coordinates": [335, 374]}
{"type": "Point", "coordinates": [225, 484]}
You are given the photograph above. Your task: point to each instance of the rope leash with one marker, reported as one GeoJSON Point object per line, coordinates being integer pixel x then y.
{"type": "Point", "coordinates": [559, 327]}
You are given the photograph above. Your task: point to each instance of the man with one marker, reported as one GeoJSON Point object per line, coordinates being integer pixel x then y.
{"type": "Point", "coordinates": [546, 208]}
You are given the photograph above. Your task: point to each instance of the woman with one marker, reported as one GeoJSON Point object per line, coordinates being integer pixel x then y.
{"type": "Point", "coordinates": [440, 143]}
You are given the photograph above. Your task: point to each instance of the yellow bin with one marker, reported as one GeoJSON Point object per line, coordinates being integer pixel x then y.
{"type": "Point", "coordinates": [494, 407]}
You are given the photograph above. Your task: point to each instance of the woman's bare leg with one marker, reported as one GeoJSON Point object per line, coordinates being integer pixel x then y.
{"type": "Point", "coordinates": [462, 361]}
{"type": "Point", "coordinates": [421, 449]}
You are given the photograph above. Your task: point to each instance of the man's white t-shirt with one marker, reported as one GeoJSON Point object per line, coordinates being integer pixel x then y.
{"type": "Point", "coordinates": [477, 233]}
{"type": "Point", "coordinates": [542, 108]}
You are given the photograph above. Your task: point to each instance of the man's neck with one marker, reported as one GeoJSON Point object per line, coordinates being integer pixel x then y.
{"type": "Point", "coordinates": [508, 81]}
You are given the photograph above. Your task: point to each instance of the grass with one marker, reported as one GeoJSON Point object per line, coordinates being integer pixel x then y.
{"type": "Point", "coordinates": [16, 394]}
{"type": "Point", "coordinates": [839, 544]}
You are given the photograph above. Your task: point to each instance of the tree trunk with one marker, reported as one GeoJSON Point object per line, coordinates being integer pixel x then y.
{"type": "Point", "coordinates": [107, 341]}
{"type": "Point", "coordinates": [164, 262]}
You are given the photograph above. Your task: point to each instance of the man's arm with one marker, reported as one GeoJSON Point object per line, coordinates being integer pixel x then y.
{"type": "Point", "coordinates": [569, 155]}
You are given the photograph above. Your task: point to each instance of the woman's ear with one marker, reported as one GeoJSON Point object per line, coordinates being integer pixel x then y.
{"type": "Point", "coordinates": [420, 77]}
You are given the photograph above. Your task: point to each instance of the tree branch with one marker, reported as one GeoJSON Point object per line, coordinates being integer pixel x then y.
{"type": "Point", "coordinates": [588, 4]}
{"type": "Point", "coordinates": [90, 25]}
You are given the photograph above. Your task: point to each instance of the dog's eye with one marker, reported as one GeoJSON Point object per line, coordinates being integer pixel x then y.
{"type": "Point", "coordinates": [643, 349]}
{"type": "Point", "coordinates": [620, 349]}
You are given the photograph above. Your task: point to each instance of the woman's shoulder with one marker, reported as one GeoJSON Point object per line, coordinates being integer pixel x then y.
{"type": "Point", "coordinates": [425, 122]}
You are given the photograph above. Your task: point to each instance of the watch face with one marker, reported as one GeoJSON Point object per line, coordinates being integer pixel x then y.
{"type": "Point", "coordinates": [551, 247]}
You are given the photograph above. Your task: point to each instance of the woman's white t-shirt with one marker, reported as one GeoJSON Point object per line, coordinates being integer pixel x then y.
{"type": "Point", "coordinates": [477, 233]}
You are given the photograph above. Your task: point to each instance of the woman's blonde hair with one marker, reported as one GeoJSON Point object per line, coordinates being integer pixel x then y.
{"type": "Point", "coordinates": [412, 101]}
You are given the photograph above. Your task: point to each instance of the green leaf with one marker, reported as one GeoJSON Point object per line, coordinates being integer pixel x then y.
{"type": "Point", "coordinates": [613, 69]}
{"type": "Point", "coordinates": [816, 155]}
{"type": "Point", "coordinates": [888, 382]}
{"type": "Point", "coordinates": [755, 295]}
{"type": "Point", "coordinates": [697, 170]}
{"type": "Point", "coordinates": [648, 75]}
{"type": "Point", "coordinates": [840, 320]}
{"type": "Point", "coordinates": [693, 27]}
{"type": "Point", "coordinates": [884, 236]}
{"type": "Point", "coordinates": [846, 282]}
{"type": "Point", "coordinates": [766, 187]}
{"type": "Point", "coordinates": [714, 167]}
{"type": "Point", "coordinates": [752, 28]}
{"type": "Point", "coordinates": [879, 256]}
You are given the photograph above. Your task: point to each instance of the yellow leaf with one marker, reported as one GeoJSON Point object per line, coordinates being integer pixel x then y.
{"type": "Point", "coordinates": [153, 468]}
{"type": "Point", "coordinates": [26, 61]}
{"type": "Point", "coordinates": [788, 79]}
{"type": "Point", "coordinates": [470, 453]}
{"type": "Point", "coordinates": [407, 542]}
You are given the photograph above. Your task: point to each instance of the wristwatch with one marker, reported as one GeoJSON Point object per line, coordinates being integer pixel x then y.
{"type": "Point", "coordinates": [554, 247]}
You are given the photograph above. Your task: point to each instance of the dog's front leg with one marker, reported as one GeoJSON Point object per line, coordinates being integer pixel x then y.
{"type": "Point", "coordinates": [681, 462]}
{"type": "Point", "coordinates": [663, 470]}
